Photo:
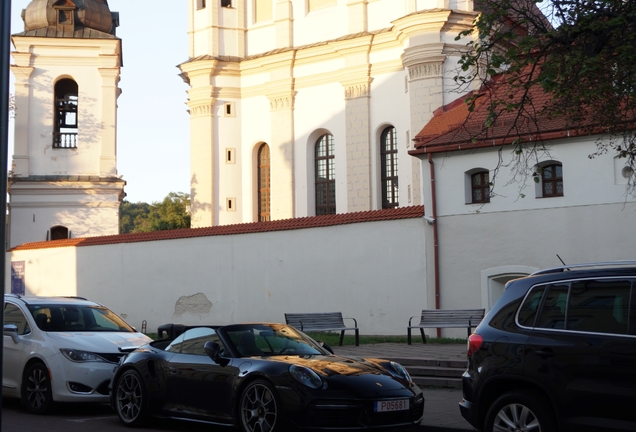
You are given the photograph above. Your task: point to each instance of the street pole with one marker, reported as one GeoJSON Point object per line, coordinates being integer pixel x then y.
{"type": "Point", "coordinates": [5, 52]}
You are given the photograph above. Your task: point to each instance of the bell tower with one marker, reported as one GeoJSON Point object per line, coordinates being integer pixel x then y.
{"type": "Point", "coordinates": [64, 182]}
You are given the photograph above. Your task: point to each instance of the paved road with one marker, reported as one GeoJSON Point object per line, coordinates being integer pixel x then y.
{"type": "Point", "coordinates": [100, 418]}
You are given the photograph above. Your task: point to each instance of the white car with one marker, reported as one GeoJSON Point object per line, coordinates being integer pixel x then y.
{"type": "Point", "coordinates": [61, 349]}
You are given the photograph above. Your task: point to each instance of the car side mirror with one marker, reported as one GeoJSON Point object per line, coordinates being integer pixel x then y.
{"type": "Point", "coordinates": [326, 346]}
{"type": "Point", "coordinates": [12, 330]}
{"type": "Point", "coordinates": [213, 350]}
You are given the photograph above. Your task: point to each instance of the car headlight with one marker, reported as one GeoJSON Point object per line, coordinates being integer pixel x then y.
{"type": "Point", "coordinates": [305, 376]}
{"type": "Point", "coordinates": [397, 370]}
{"type": "Point", "coordinates": [81, 356]}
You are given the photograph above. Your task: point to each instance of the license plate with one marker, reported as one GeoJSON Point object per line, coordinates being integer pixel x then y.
{"type": "Point", "coordinates": [391, 405]}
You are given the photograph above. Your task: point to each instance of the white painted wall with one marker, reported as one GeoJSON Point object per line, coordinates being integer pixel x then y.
{"type": "Point", "coordinates": [248, 277]}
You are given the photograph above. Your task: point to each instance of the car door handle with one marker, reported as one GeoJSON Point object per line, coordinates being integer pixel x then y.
{"type": "Point", "coordinates": [545, 353]}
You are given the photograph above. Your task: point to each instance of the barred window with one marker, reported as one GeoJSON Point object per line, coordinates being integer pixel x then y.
{"type": "Point", "coordinates": [325, 176]}
{"type": "Point", "coordinates": [263, 183]}
{"type": "Point", "coordinates": [389, 176]}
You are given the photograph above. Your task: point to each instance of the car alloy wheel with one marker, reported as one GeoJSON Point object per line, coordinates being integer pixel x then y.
{"type": "Point", "coordinates": [258, 408]}
{"type": "Point", "coordinates": [36, 389]}
{"type": "Point", "coordinates": [130, 399]}
{"type": "Point", "coordinates": [519, 411]}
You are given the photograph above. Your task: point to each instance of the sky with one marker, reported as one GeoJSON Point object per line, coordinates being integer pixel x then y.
{"type": "Point", "coordinates": [153, 137]}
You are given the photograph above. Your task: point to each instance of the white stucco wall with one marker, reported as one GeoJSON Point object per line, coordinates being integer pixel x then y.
{"type": "Point", "coordinates": [249, 277]}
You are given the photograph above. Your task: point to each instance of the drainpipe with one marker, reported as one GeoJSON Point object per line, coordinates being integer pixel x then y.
{"type": "Point", "coordinates": [435, 235]}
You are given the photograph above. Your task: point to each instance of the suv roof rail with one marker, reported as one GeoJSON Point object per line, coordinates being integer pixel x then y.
{"type": "Point", "coordinates": [586, 265]}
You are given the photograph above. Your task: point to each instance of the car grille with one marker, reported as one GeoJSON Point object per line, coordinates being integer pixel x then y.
{"type": "Point", "coordinates": [111, 357]}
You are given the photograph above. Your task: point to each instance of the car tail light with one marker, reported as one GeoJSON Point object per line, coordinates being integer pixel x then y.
{"type": "Point", "coordinates": [474, 342]}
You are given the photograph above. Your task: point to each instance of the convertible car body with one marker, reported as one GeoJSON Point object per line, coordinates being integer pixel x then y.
{"type": "Point", "coordinates": [262, 377]}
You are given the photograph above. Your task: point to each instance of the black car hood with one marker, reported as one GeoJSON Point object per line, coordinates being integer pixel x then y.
{"type": "Point", "coordinates": [356, 369]}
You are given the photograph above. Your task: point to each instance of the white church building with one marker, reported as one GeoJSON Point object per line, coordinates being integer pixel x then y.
{"type": "Point", "coordinates": [325, 175]}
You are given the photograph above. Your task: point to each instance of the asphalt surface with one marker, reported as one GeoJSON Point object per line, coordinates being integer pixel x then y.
{"type": "Point", "coordinates": [441, 409]}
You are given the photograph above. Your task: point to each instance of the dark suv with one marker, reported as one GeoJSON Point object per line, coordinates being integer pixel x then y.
{"type": "Point", "coordinates": [557, 352]}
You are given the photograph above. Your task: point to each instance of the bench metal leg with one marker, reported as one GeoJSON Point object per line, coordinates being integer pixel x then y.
{"type": "Point", "coordinates": [341, 337]}
{"type": "Point", "coordinates": [423, 335]}
{"type": "Point", "coordinates": [357, 338]}
{"type": "Point", "coordinates": [408, 335]}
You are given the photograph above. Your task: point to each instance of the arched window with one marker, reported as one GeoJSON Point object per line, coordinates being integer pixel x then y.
{"type": "Point", "coordinates": [325, 176]}
{"type": "Point", "coordinates": [552, 180]}
{"type": "Point", "coordinates": [263, 183]}
{"type": "Point", "coordinates": [65, 134]}
{"type": "Point", "coordinates": [59, 232]}
{"type": "Point", "coordinates": [480, 187]}
{"type": "Point", "coordinates": [389, 176]}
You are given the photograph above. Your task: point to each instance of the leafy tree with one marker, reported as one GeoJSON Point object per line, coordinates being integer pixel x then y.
{"type": "Point", "coordinates": [582, 53]}
{"type": "Point", "coordinates": [172, 213]}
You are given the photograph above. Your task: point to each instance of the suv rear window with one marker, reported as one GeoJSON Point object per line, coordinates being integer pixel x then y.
{"type": "Point", "coordinates": [595, 306]}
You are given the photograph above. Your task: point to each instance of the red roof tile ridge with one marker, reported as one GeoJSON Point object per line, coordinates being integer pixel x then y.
{"type": "Point", "coordinates": [240, 228]}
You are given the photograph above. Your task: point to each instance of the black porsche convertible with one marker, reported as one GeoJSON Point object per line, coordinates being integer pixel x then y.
{"type": "Point", "coordinates": [262, 378]}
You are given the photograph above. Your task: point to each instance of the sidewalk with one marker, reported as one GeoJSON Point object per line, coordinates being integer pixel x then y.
{"type": "Point", "coordinates": [441, 407]}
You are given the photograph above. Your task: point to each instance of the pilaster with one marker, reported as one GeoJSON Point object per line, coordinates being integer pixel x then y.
{"type": "Point", "coordinates": [282, 153]}
{"type": "Point", "coordinates": [22, 76]}
{"type": "Point", "coordinates": [357, 116]}
{"type": "Point", "coordinates": [425, 67]}
{"type": "Point", "coordinates": [283, 19]}
{"type": "Point", "coordinates": [110, 92]}
{"type": "Point", "coordinates": [357, 16]}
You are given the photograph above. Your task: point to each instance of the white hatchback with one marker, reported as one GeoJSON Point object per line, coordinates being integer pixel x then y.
{"type": "Point", "coordinates": [61, 349]}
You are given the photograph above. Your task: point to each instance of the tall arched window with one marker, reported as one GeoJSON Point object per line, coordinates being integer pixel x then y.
{"type": "Point", "coordinates": [65, 133]}
{"type": "Point", "coordinates": [263, 183]}
{"type": "Point", "coordinates": [389, 177]}
{"type": "Point", "coordinates": [325, 176]}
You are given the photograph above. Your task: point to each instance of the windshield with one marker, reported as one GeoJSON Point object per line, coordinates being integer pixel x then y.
{"type": "Point", "coordinates": [73, 318]}
{"type": "Point", "coordinates": [271, 340]}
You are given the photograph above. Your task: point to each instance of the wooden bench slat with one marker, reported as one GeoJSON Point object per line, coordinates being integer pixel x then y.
{"type": "Point", "coordinates": [322, 321]}
{"type": "Point", "coordinates": [445, 318]}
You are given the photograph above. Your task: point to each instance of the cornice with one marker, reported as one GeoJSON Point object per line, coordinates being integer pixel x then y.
{"type": "Point", "coordinates": [22, 73]}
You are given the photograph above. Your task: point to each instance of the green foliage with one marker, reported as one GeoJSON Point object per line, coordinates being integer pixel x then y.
{"type": "Point", "coordinates": [172, 213]}
{"type": "Point", "coordinates": [581, 52]}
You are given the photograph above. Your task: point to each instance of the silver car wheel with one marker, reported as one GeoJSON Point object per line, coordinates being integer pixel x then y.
{"type": "Point", "coordinates": [37, 389]}
{"type": "Point", "coordinates": [516, 418]}
{"type": "Point", "coordinates": [130, 398]}
{"type": "Point", "coordinates": [258, 408]}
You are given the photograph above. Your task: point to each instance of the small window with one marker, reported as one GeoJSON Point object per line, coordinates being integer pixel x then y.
{"type": "Point", "coordinates": [552, 180]}
{"type": "Point", "coordinates": [226, 3]}
{"type": "Point", "coordinates": [229, 155]}
{"type": "Point", "coordinates": [325, 176]}
{"type": "Point", "coordinates": [59, 232]}
{"type": "Point", "coordinates": [528, 312]}
{"type": "Point", "coordinates": [230, 204]}
{"type": "Point", "coordinates": [480, 187]}
{"type": "Point", "coordinates": [229, 109]}
{"type": "Point", "coordinates": [200, 4]}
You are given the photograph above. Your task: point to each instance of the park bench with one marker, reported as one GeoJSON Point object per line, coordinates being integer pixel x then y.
{"type": "Point", "coordinates": [440, 318]}
{"type": "Point", "coordinates": [322, 321]}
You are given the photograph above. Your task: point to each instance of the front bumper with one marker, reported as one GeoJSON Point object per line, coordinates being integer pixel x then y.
{"type": "Point", "coordinates": [355, 414]}
{"type": "Point", "coordinates": [79, 382]}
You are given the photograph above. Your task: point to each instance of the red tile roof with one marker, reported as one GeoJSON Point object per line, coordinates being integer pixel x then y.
{"type": "Point", "coordinates": [453, 127]}
{"type": "Point", "coordinates": [246, 228]}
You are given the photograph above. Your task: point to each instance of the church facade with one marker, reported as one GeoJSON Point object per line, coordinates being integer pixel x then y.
{"type": "Point", "coordinates": [64, 182]}
{"type": "Point", "coordinates": [308, 107]}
